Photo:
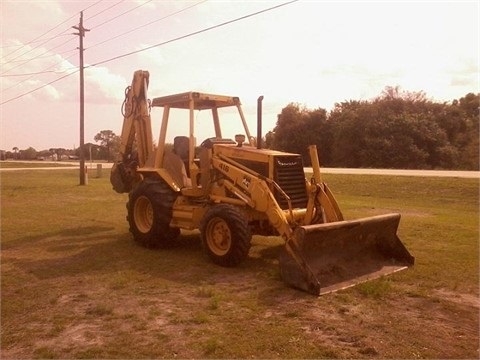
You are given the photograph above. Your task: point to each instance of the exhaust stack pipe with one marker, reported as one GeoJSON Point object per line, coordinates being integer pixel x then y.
{"type": "Point", "coordinates": [259, 122]}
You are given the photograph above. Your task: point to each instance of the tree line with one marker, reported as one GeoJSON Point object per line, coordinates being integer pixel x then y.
{"type": "Point", "coordinates": [108, 146]}
{"type": "Point", "coordinates": [397, 129]}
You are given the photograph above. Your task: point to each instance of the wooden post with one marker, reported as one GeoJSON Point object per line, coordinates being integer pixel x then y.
{"type": "Point", "coordinates": [81, 34]}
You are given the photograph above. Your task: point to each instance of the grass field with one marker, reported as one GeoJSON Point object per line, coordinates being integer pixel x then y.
{"type": "Point", "coordinates": [75, 285]}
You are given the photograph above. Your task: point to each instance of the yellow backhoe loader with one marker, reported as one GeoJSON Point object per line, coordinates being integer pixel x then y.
{"type": "Point", "coordinates": [233, 189]}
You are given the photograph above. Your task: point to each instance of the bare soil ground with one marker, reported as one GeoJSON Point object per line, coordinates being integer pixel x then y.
{"type": "Point", "coordinates": [99, 295]}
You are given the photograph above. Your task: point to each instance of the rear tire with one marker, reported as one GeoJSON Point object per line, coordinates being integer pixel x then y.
{"type": "Point", "coordinates": [149, 214]}
{"type": "Point", "coordinates": [226, 237]}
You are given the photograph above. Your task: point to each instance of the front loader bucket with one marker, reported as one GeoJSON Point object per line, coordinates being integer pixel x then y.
{"type": "Point", "coordinates": [329, 257]}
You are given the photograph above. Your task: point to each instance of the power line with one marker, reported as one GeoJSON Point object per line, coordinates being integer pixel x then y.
{"type": "Point", "coordinates": [194, 33]}
{"type": "Point", "coordinates": [157, 45]}
{"type": "Point", "coordinates": [39, 57]}
{"type": "Point", "coordinates": [37, 39]}
{"type": "Point", "coordinates": [33, 73]}
{"type": "Point", "coordinates": [88, 7]}
{"type": "Point", "coordinates": [37, 73]}
{"type": "Point", "coordinates": [116, 17]}
{"type": "Point", "coordinates": [23, 62]}
{"type": "Point", "coordinates": [38, 88]}
{"type": "Point", "coordinates": [33, 48]}
{"type": "Point", "coordinates": [44, 41]}
{"type": "Point", "coordinates": [31, 42]}
{"type": "Point", "coordinates": [144, 25]}
{"type": "Point", "coordinates": [41, 72]}
{"type": "Point", "coordinates": [36, 57]}
{"type": "Point", "coordinates": [101, 12]}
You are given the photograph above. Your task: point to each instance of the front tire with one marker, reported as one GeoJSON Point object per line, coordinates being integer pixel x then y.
{"type": "Point", "coordinates": [149, 214]}
{"type": "Point", "coordinates": [226, 237]}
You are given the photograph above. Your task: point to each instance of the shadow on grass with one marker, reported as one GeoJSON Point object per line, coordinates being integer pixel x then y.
{"type": "Point", "coordinates": [78, 231]}
{"type": "Point", "coordinates": [97, 250]}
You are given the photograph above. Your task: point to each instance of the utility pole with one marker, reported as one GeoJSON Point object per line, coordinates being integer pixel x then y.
{"type": "Point", "coordinates": [81, 34]}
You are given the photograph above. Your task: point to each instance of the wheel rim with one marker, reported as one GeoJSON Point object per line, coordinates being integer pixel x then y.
{"type": "Point", "coordinates": [219, 237]}
{"type": "Point", "coordinates": [143, 214]}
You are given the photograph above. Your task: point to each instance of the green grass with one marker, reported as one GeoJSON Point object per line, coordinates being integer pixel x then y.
{"type": "Point", "coordinates": [75, 285]}
{"type": "Point", "coordinates": [440, 222]}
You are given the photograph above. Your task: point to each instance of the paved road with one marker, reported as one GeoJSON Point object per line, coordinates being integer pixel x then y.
{"type": "Point", "coordinates": [400, 172]}
{"type": "Point", "coordinates": [48, 166]}
{"type": "Point", "coordinates": [396, 172]}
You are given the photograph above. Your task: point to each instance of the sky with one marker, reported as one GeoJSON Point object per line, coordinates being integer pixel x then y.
{"type": "Point", "coordinates": [314, 53]}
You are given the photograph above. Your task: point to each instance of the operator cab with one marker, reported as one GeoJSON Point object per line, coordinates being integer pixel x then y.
{"type": "Point", "coordinates": [192, 157]}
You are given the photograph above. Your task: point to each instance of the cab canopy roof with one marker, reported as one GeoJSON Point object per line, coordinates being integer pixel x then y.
{"type": "Point", "coordinates": [201, 101]}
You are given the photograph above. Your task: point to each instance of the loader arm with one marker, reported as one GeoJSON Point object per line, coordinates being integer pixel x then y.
{"type": "Point", "coordinates": [253, 189]}
{"type": "Point", "coordinates": [326, 254]}
{"type": "Point", "coordinates": [136, 141]}
{"type": "Point", "coordinates": [320, 196]}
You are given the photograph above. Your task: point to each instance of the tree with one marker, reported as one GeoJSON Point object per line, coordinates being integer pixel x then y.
{"type": "Point", "coordinates": [347, 138]}
{"type": "Point", "coordinates": [297, 127]}
{"type": "Point", "coordinates": [15, 151]}
{"type": "Point", "coordinates": [58, 153]}
{"type": "Point", "coordinates": [106, 138]}
{"type": "Point", "coordinates": [288, 130]}
{"type": "Point", "coordinates": [469, 148]}
{"type": "Point", "coordinates": [269, 139]}
{"type": "Point", "coordinates": [470, 104]}
{"type": "Point", "coordinates": [398, 129]}
{"type": "Point", "coordinates": [28, 154]}
{"type": "Point", "coordinates": [395, 130]}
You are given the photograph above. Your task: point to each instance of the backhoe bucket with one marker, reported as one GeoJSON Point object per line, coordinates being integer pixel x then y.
{"type": "Point", "coordinates": [329, 257]}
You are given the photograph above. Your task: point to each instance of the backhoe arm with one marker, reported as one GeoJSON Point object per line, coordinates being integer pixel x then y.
{"type": "Point", "coordinates": [137, 122]}
{"type": "Point", "coordinates": [136, 142]}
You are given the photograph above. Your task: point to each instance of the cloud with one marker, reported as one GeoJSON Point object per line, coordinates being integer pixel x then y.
{"type": "Point", "coordinates": [463, 81]}
{"type": "Point", "coordinates": [34, 13]}
{"type": "Point", "coordinates": [49, 93]}
{"type": "Point", "coordinates": [104, 87]}
{"type": "Point", "coordinates": [153, 56]}
{"type": "Point", "coordinates": [466, 75]}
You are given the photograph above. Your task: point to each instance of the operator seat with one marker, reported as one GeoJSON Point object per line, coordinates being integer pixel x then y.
{"type": "Point", "coordinates": [175, 161]}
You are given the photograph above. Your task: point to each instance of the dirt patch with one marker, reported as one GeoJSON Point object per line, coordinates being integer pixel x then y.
{"type": "Point", "coordinates": [406, 327]}
{"type": "Point", "coordinates": [109, 298]}
{"type": "Point", "coordinates": [458, 298]}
